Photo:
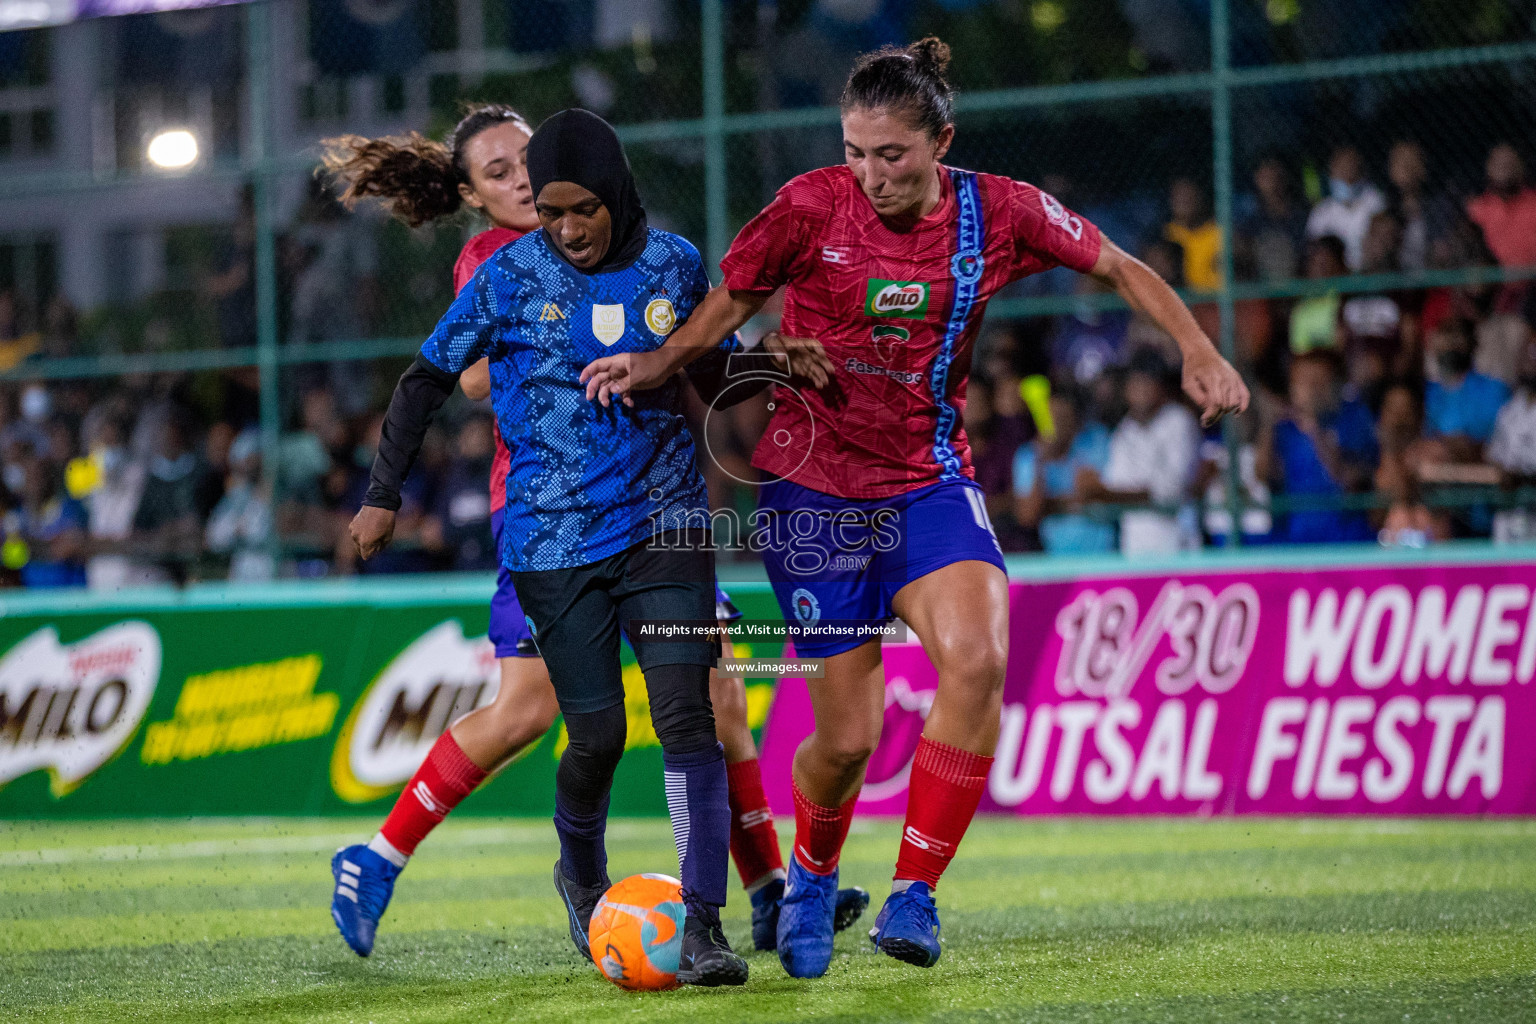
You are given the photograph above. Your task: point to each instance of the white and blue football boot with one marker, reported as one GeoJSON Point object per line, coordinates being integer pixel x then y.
{"type": "Point", "coordinates": [364, 883]}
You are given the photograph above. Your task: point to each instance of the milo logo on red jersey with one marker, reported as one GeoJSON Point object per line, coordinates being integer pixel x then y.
{"type": "Point", "coordinates": [905, 299]}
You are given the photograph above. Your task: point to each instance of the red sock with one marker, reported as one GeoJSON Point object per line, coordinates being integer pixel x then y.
{"type": "Point", "coordinates": [444, 778]}
{"type": "Point", "coordinates": [754, 841]}
{"type": "Point", "coordinates": [946, 786]}
{"type": "Point", "coordinates": [820, 832]}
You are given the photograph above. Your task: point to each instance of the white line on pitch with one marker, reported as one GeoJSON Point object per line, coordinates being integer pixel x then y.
{"type": "Point", "coordinates": [266, 845]}
{"type": "Point", "coordinates": [232, 847]}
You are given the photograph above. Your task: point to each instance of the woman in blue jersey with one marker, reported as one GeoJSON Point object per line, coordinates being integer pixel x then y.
{"type": "Point", "coordinates": [483, 164]}
{"type": "Point", "coordinates": [604, 528]}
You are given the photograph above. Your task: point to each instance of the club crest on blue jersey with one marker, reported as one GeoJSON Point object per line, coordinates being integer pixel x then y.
{"type": "Point", "coordinates": [584, 481]}
{"type": "Point", "coordinates": [660, 317]}
{"type": "Point", "coordinates": [608, 323]}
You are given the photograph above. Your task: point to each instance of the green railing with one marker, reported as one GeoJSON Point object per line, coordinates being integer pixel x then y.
{"type": "Point", "coordinates": [477, 588]}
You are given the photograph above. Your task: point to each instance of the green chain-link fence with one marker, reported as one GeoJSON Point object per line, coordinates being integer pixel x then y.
{"type": "Point", "coordinates": [235, 287]}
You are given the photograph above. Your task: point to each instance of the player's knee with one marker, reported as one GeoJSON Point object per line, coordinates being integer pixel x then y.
{"type": "Point", "coordinates": [848, 752]}
{"type": "Point", "coordinates": [977, 666]}
{"type": "Point", "coordinates": [990, 667]}
{"type": "Point", "coordinates": [680, 708]}
{"type": "Point", "coordinates": [729, 698]}
{"type": "Point", "coordinates": [521, 723]}
{"type": "Point", "coordinates": [525, 707]}
{"type": "Point", "coordinates": [542, 709]}
{"type": "Point", "coordinates": [597, 737]}
{"type": "Point", "coordinates": [596, 744]}
{"type": "Point", "coordinates": [846, 743]}
{"type": "Point", "coordinates": [686, 730]}
{"type": "Point", "coordinates": [608, 747]}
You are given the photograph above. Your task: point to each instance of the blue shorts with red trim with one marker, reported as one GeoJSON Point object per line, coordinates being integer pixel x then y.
{"type": "Point", "coordinates": [837, 563]}
{"type": "Point", "coordinates": [509, 626]}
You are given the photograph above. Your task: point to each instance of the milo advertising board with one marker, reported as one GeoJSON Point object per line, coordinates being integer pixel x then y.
{"type": "Point", "coordinates": [288, 699]}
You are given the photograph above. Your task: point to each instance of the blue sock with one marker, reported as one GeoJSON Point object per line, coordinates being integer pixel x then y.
{"type": "Point", "coordinates": [699, 802]}
{"type": "Point", "coordinates": [583, 855]}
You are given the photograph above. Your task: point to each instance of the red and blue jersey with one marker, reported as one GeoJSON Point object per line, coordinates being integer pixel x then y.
{"type": "Point", "coordinates": [898, 313]}
{"type": "Point", "coordinates": [475, 252]}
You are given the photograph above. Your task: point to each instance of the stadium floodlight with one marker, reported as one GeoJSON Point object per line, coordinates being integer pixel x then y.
{"type": "Point", "coordinates": [173, 149]}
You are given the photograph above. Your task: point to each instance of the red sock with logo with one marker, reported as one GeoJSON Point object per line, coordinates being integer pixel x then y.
{"type": "Point", "coordinates": [946, 788]}
{"type": "Point", "coordinates": [444, 778]}
{"type": "Point", "coordinates": [820, 832]}
{"type": "Point", "coordinates": [754, 841]}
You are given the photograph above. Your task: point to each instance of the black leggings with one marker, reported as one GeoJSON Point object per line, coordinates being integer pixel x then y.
{"type": "Point", "coordinates": [680, 712]}
{"type": "Point", "coordinates": [577, 616]}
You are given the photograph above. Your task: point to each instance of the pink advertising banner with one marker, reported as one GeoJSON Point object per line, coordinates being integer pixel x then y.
{"type": "Point", "coordinates": [1403, 690]}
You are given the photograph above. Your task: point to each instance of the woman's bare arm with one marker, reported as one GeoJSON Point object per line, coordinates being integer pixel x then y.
{"type": "Point", "coordinates": [476, 381]}
{"type": "Point", "coordinates": [1209, 380]}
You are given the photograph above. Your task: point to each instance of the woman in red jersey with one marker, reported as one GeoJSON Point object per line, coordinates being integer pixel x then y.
{"type": "Point", "coordinates": [887, 264]}
{"type": "Point", "coordinates": [483, 166]}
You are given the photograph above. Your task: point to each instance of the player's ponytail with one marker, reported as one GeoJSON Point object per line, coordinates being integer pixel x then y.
{"type": "Point", "coordinates": [910, 80]}
{"type": "Point", "coordinates": [415, 177]}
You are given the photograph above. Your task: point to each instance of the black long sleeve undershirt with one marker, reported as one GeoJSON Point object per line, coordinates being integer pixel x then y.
{"type": "Point", "coordinates": [736, 377]}
{"type": "Point", "coordinates": [422, 390]}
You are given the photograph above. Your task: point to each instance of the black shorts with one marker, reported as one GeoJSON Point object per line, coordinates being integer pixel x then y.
{"type": "Point", "coordinates": [576, 615]}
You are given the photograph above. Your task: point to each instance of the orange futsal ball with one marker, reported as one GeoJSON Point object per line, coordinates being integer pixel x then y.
{"type": "Point", "coordinates": [637, 932]}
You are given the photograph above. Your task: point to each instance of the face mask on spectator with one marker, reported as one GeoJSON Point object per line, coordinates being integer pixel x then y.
{"type": "Point", "coordinates": [35, 404]}
{"type": "Point", "coordinates": [111, 459]}
{"type": "Point", "coordinates": [243, 452]}
{"type": "Point", "coordinates": [1455, 362]}
{"type": "Point", "coordinates": [171, 470]}
{"type": "Point", "coordinates": [1343, 191]}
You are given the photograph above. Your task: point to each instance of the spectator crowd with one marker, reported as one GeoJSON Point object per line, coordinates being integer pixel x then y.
{"type": "Point", "coordinates": [1366, 402]}
{"type": "Point", "coordinates": [1380, 414]}
{"type": "Point", "coordinates": [121, 485]}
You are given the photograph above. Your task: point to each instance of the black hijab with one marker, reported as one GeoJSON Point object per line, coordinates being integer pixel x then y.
{"type": "Point", "coordinates": [576, 145]}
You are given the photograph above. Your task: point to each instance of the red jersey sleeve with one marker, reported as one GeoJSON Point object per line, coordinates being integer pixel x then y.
{"type": "Point", "coordinates": [470, 258]}
{"type": "Point", "coordinates": [476, 251]}
{"type": "Point", "coordinates": [1047, 234]}
{"type": "Point", "coordinates": [776, 246]}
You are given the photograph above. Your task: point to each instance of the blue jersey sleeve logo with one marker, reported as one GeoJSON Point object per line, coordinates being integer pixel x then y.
{"type": "Point", "coordinates": [660, 317]}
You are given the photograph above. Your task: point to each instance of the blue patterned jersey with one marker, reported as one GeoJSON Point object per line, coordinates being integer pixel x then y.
{"type": "Point", "coordinates": [585, 482]}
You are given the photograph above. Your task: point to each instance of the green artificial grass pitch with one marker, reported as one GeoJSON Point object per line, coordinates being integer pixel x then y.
{"type": "Point", "coordinates": [1044, 920]}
